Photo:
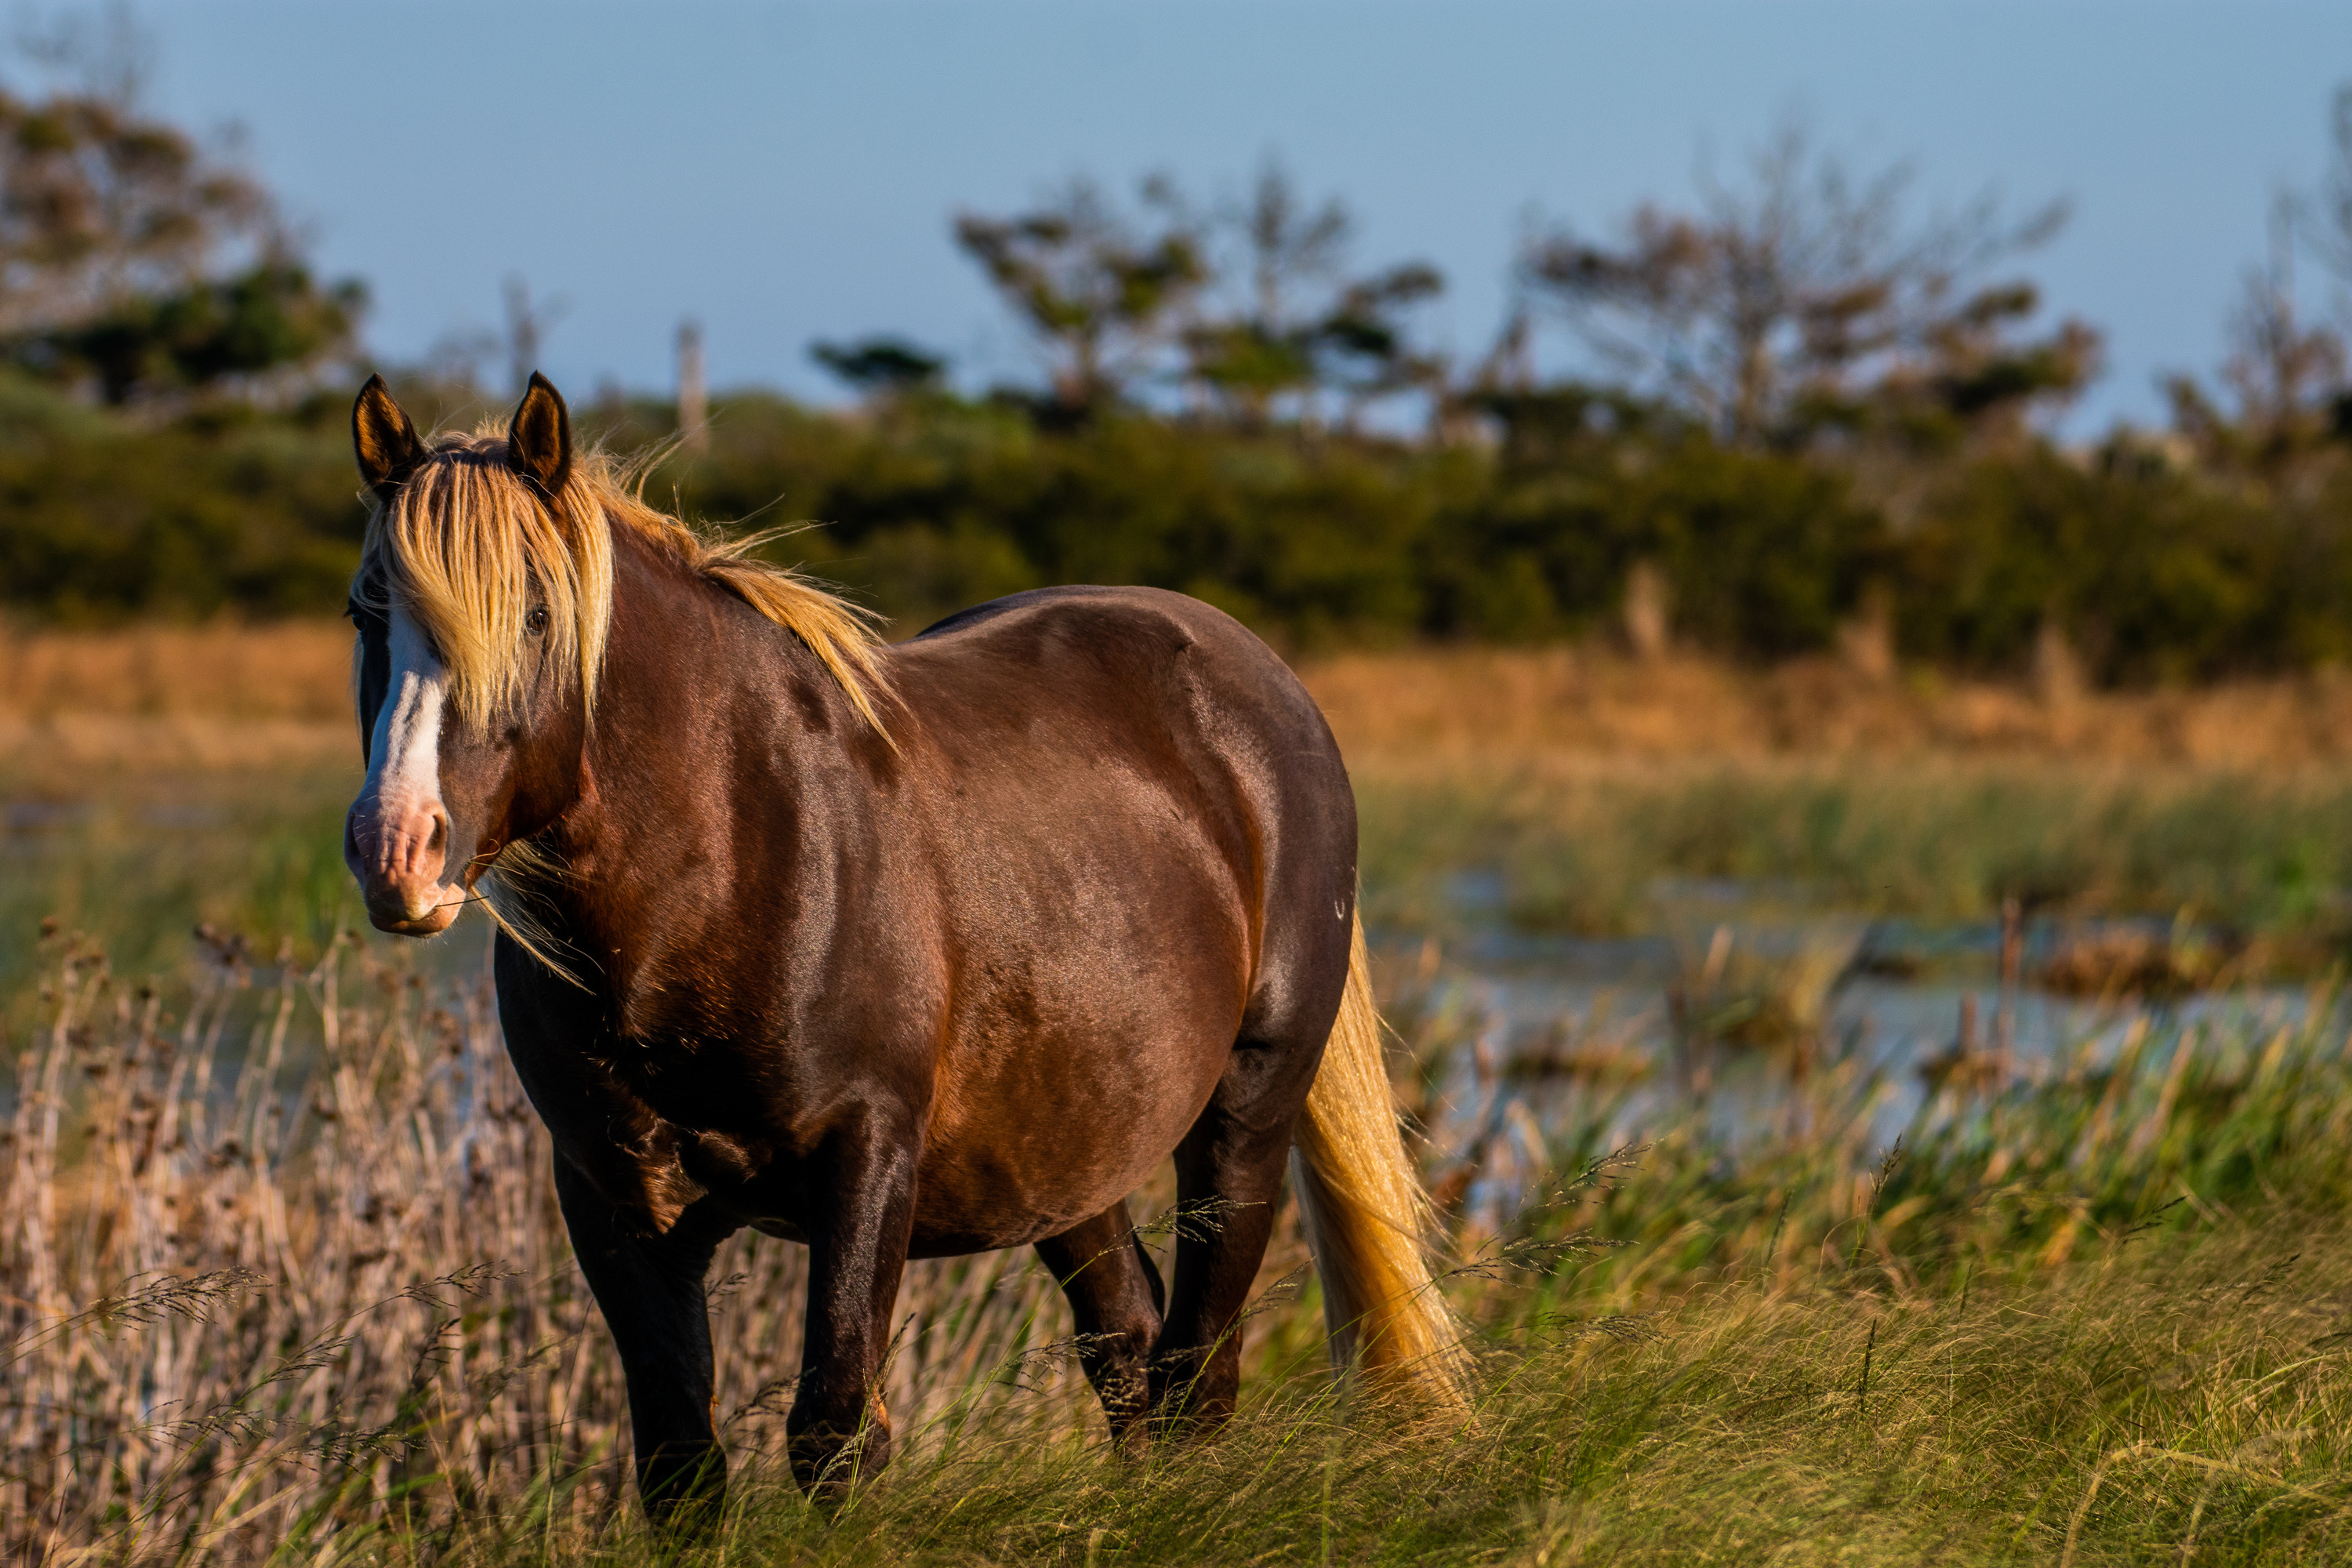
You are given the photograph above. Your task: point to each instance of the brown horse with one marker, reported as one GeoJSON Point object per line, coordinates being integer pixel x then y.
{"type": "Point", "coordinates": [894, 951]}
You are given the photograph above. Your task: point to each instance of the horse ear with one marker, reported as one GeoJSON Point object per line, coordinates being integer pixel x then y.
{"type": "Point", "coordinates": [383, 439]}
{"type": "Point", "coordinates": [538, 442]}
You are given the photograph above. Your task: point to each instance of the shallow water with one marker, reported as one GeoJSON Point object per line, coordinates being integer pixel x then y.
{"type": "Point", "coordinates": [1541, 1008]}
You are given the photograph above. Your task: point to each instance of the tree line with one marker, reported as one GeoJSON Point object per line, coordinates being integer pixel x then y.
{"type": "Point", "coordinates": [1791, 412]}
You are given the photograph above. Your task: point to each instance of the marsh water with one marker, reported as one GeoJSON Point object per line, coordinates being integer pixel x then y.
{"type": "Point", "coordinates": [1662, 1025]}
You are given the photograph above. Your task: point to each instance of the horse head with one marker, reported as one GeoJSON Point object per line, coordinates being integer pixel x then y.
{"type": "Point", "coordinates": [485, 570]}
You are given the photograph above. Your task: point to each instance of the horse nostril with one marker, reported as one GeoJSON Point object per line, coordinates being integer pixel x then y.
{"type": "Point", "coordinates": [440, 839]}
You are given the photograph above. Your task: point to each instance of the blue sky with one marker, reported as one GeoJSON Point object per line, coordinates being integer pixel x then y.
{"type": "Point", "coordinates": [787, 172]}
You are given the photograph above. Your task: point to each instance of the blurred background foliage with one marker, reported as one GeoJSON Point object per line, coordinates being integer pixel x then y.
{"type": "Point", "coordinates": [1805, 418]}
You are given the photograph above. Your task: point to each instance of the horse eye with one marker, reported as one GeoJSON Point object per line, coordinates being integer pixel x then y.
{"type": "Point", "coordinates": [536, 622]}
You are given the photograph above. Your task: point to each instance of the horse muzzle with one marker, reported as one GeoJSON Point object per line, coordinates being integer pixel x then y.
{"type": "Point", "coordinates": [399, 858]}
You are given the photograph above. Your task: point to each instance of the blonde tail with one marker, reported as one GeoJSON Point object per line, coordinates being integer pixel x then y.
{"type": "Point", "coordinates": [1366, 1218]}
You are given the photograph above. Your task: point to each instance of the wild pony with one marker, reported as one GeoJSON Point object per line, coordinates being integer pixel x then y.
{"type": "Point", "coordinates": [895, 952]}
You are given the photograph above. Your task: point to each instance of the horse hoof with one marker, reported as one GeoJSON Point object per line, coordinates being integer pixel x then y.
{"type": "Point", "coordinates": [688, 1517]}
{"type": "Point", "coordinates": [828, 1467]}
{"type": "Point", "coordinates": [685, 1495]}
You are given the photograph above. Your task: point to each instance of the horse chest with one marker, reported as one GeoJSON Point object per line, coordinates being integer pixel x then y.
{"type": "Point", "coordinates": [717, 1092]}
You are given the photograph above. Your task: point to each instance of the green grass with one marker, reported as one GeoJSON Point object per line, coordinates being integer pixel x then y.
{"type": "Point", "coordinates": [2185, 1402]}
{"type": "Point", "coordinates": [2097, 1318]}
{"type": "Point", "coordinates": [2270, 860]}
{"type": "Point", "coordinates": [1940, 840]}
{"type": "Point", "coordinates": [137, 863]}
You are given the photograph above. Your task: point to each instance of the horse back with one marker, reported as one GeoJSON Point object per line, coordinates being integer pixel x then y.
{"type": "Point", "coordinates": [1136, 701]}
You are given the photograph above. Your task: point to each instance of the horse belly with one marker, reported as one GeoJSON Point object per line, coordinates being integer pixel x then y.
{"type": "Point", "coordinates": [1019, 1172]}
{"type": "Point", "coordinates": [1032, 1131]}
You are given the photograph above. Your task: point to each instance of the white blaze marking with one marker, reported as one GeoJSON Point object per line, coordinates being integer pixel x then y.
{"type": "Point", "coordinates": [404, 760]}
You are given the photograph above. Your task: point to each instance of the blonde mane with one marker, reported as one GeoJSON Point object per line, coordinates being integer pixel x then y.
{"type": "Point", "coordinates": [465, 543]}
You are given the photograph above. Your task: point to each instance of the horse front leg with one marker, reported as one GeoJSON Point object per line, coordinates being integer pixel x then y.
{"type": "Point", "coordinates": [859, 1216]}
{"type": "Point", "coordinates": [650, 1290]}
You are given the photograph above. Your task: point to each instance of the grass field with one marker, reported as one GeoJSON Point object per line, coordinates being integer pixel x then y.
{"type": "Point", "coordinates": [288, 1283]}
{"type": "Point", "coordinates": [284, 1281]}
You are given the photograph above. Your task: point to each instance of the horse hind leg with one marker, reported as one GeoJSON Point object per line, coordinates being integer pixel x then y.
{"type": "Point", "coordinates": [1116, 1297]}
{"type": "Point", "coordinates": [1229, 1171]}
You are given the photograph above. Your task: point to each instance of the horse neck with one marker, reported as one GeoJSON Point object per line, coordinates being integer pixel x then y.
{"type": "Point", "coordinates": [691, 672]}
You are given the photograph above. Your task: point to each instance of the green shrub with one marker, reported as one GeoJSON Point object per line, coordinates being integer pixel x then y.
{"type": "Point", "coordinates": [930, 503]}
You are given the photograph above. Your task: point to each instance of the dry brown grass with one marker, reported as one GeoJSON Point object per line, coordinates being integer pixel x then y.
{"type": "Point", "coordinates": [160, 693]}
{"type": "Point", "coordinates": [296, 672]}
{"type": "Point", "coordinates": [1432, 706]}
{"type": "Point", "coordinates": [280, 1254]}
{"type": "Point", "coordinates": [174, 699]}
{"type": "Point", "coordinates": [63, 750]}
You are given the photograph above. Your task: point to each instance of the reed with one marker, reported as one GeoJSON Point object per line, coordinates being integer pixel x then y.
{"type": "Point", "coordinates": [281, 1277]}
{"type": "Point", "coordinates": [285, 1282]}
{"type": "Point", "coordinates": [283, 1262]}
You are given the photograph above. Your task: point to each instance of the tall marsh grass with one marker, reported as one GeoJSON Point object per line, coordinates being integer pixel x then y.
{"type": "Point", "coordinates": [283, 1264]}
{"type": "Point", "coordinates": [285, 1282]}
{"type": "Point", "coordinates": [1585, 778]}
